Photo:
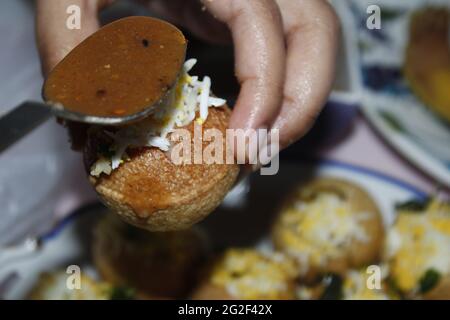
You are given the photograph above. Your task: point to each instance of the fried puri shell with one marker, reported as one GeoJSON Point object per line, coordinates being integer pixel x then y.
{"type": "Point", "coordinates": [427, 60]}
{"type": "Point", "coordinates": [158, 265]}
{"type": "Point", "coordinates": [152, 192]}
{"type": "Point", "coordinates": [357, 254]}
{"type": "Point", "coordinates": [208, 289]}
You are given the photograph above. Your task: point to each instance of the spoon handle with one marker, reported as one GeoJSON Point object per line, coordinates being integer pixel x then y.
{"type": "Point", "coordinates": [20, 121]}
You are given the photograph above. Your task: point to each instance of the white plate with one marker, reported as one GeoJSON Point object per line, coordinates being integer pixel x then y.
{"type": "Point", "coordinates": [246, 224]}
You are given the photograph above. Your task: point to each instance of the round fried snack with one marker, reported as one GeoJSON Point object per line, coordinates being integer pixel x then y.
{"type": "Point", "coordinates": [329, 226]}
{"type": "Point", "coordinates": [417, 250]}
{"type": "Point", "coordinates": [427, 60]}
{"type": "Point", "coordinates": [122, 69]}
{"type": "Point", "coordinates": [159, 265]}
{"type": "Point", "coordinates": [152, 192]}
{"type": "Point", "coordinates": [248, 274]}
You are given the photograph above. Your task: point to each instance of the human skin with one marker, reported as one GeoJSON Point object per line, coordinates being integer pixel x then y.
{"type": "Point", "coordinates": [285, 51]}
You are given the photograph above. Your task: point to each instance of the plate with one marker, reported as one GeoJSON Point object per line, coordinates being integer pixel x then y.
{"type": "Point", "coordinates": [387, 101]}
{"type": "Point", "coordinates": [239, 222]}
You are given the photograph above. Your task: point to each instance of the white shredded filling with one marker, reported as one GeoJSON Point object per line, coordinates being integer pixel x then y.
{"type": "Point", "coordinates": [190, 96]}
{"type": "Point", "coordinates": [248, 274]}
{"type": "Point", "coordinates": [419, 241]}
{"type": "Point", "coordinates": [317, 231]}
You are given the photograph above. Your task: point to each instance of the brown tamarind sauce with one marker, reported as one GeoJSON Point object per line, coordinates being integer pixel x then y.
{"type": "Point", "coordinates": [120, 70]}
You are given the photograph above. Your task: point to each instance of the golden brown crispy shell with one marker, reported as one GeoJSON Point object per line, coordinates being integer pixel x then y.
{"type": "Point", "coordinates": [223, 265]}
{"type": "Point", "coordinates": [155, 264]}
{"type": "Point", "coordinates": [152, 192]}
{"type": "Point", "coordinates": [355, 255]}
{"type": "Point", "coordinates": [427, 61]}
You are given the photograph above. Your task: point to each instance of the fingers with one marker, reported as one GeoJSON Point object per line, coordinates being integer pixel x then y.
{"type": "Point", "coordinates": [312, 37]}
{"type": "Point", "coordinates": [257, 33]}
{"type": "Point", "coordinates": [54, 38]}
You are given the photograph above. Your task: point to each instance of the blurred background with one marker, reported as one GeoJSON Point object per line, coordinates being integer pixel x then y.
{"type": "Point", "coordinates": [388, 115]}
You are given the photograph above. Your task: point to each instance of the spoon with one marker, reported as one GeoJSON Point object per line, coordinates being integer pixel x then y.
{"type": "Point", "coordinates": [117, 76]}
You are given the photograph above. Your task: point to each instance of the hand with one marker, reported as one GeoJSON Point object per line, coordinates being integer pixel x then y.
{"type": "Point", "coordinates": [285, 51]}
